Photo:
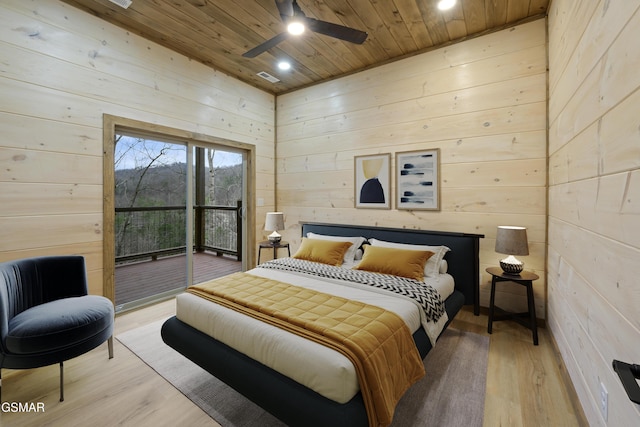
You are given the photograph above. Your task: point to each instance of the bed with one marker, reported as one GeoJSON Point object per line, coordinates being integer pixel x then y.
{"type": "Point", "coordinates": [288, 399]}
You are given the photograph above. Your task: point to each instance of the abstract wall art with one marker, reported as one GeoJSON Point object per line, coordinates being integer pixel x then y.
{"type": "Point", "coordinates": [372, 181]}
{"type": "Point", "coordinates": [418, 180]}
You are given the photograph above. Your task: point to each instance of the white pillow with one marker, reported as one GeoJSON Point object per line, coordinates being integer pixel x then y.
{"type": "Point", "coordinates": [432, 267]}
{"type": "Point", "coordinates": [350, 254]}
{"type": "Point", "coordinates": [444, 266]}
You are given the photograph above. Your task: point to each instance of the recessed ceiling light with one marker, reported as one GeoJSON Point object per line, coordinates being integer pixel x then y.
{"type": "Point", "coordinates": [284, 65]}
{"type": "Point", "coordinates": [446, 4]}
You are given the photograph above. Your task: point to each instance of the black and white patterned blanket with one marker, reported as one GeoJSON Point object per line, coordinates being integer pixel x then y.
{"type": "Point", "coordinates": [427, 296]}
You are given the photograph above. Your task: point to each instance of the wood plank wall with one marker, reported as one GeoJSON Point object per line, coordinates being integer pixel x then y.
{"type": "Point", "coordinates": [482, 102]}
{"type": "Point", "coordinates": [61, 70]}
{"type": "Point", "coordinates": [594, 193]}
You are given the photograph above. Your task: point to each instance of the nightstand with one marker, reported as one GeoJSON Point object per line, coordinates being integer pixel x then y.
{"type": "Point", "coordinates": [275, 246]}
{"type": "Point", "coordinates": [527, 319]}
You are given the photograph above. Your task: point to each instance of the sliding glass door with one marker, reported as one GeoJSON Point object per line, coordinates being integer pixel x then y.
{"type": "Point", "coordinates": [218, 192]}
{"type": "Point", "coordinates": [178, 216]}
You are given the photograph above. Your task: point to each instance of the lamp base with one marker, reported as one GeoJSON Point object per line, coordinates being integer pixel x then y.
{"type": "Point", "coordinates": [274, 238]}
{"type": "Point", "coordinates": [511, 265]}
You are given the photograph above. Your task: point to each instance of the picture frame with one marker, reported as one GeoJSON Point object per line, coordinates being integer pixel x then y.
{"type": "Point", "coordinates": [372, 181]}
{"type": "Point", "coordinates": [418, 180]}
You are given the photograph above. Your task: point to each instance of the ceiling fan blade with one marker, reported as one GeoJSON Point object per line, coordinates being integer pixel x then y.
{"type": "Point", "coordinates": [266, 45]}
{"type": "Point", "coordinates": [285, 7]}
{"type": "Point", "coordinates": [337, 31]}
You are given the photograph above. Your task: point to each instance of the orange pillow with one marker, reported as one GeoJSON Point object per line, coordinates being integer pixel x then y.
{"type": "Point", "coordinates": [399, 262]}
{"type": "Point", "coordinates": [324, 251]}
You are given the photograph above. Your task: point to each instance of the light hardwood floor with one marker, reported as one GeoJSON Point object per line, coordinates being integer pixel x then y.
{"type": "Point", "coordinates": [525, 385]}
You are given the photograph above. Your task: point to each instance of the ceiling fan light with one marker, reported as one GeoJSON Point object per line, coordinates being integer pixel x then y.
{"type": "Point", "coordinates": [446, 4]}
{"type": "Point", "coordinates": [295, 28]}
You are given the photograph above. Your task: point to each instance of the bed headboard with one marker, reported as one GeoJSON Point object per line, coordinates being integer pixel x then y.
{"type": "Point", "coordinates": [463, 259]}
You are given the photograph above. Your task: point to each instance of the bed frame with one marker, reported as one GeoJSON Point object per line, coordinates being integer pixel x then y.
{"type": "Point", "coordinates": [291, 402]}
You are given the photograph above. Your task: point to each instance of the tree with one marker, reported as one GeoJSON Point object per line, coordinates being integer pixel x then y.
{"type": "Point", "coordinates": [211, 189]}
{"type": "Point", "coordinates": [148, 173]}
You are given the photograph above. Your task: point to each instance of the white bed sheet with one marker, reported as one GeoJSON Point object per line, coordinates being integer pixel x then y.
{"type": "Point", "coordinates": [313, 365]}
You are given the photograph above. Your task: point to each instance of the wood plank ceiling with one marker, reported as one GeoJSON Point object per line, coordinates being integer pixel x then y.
{"type": "Point", "coordinates": [218, 32]}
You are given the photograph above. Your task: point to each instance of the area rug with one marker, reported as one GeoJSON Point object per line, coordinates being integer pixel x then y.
{"type": "Point", "coordinates": [451, 394]}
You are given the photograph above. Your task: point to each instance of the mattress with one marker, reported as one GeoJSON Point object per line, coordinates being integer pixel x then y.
{"type": "Point", "coordinates": [332, 375]}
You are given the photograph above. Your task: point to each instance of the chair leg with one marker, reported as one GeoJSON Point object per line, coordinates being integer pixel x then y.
{"type": "Point", "coordinates": [61, 382]}
{"type": "Point", "coordinates": [110, 345]}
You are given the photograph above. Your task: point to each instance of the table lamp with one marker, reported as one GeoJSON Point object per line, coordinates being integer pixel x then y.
{"type": "Point", "coordinates": [274, 222]}
{"type": "Point", "coordinates": [512, 240]}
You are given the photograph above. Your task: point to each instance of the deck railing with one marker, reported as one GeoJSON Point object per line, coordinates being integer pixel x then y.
{"type": "Point", "coordinates": [149, 232]}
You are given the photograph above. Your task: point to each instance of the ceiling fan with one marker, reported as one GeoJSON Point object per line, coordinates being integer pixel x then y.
{"type": "Point", "coordinates": [291, 14]}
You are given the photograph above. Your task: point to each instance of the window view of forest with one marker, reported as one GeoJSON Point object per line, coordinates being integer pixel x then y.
{"type": "Point", "coordinates": [150, 197]}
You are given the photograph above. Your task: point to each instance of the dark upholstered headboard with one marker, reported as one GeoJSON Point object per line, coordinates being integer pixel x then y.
{"type": "Point", "coordinates": [463, 259]}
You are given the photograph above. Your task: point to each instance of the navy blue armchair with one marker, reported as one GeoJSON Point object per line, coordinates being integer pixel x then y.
{"type": "Point", "coordinates": [47, 316]}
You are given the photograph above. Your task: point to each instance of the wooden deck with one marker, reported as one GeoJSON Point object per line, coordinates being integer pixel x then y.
{"type": "Point", "coordinates": [144, 279]}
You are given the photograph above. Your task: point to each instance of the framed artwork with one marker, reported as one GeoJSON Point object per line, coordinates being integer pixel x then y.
{"type": "Point", "coordinates": [418, 180]}
{"type": "Point", "coordinates": [372, 178]}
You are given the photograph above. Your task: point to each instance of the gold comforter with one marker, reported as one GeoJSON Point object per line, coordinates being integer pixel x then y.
{"type": "Point", "coordinates": [377, 341]}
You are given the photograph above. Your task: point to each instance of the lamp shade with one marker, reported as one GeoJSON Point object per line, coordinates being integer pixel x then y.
{"type": "Point", "coordinates": [274, 221]}
{"type": "Point", "coordinates": [512, 240]}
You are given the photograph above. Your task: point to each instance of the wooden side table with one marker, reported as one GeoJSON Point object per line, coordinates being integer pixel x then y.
{"type": "Point", "coordinates": [275, 246]}
{"type": "Point", "coordinates": [527, 319]}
